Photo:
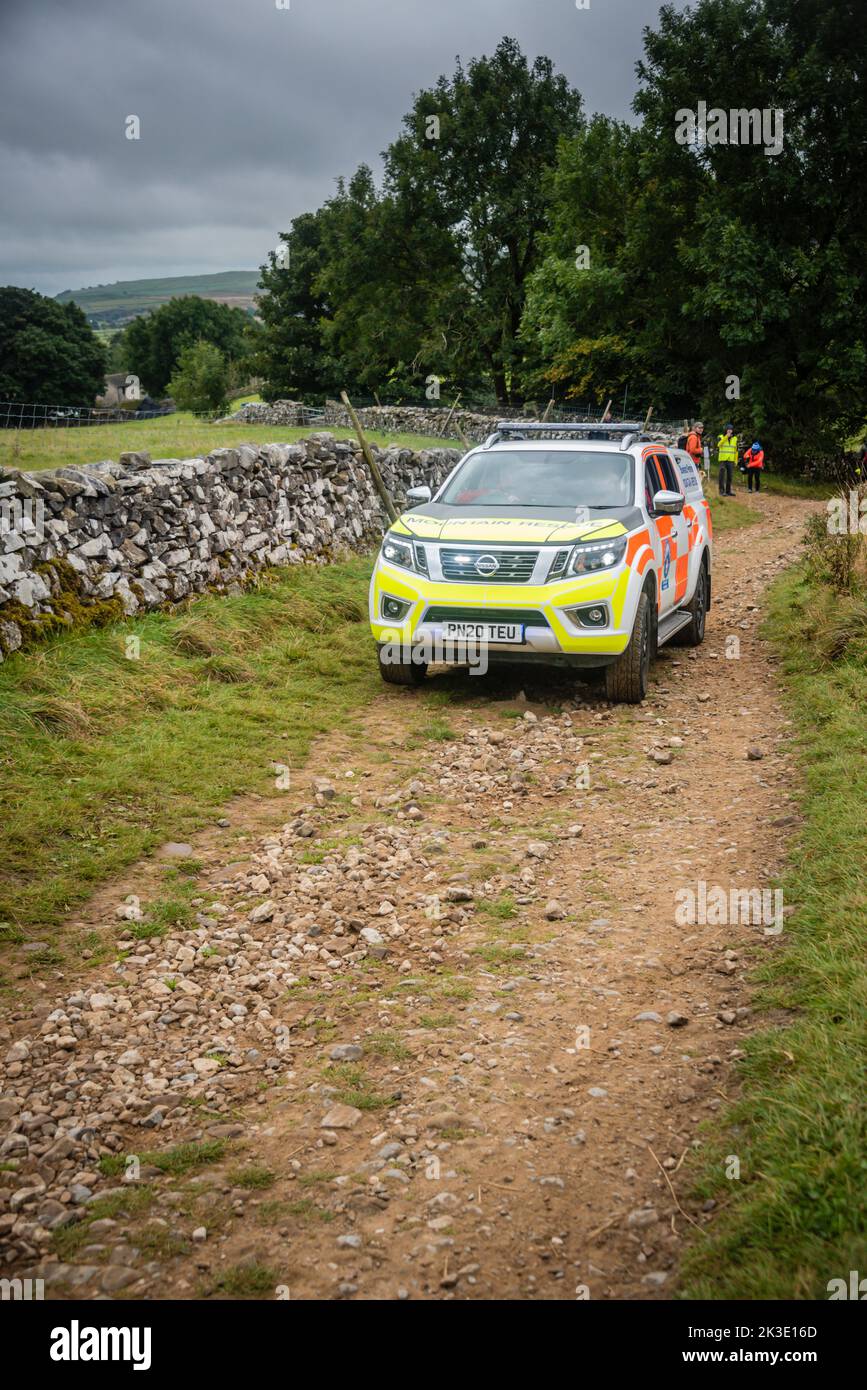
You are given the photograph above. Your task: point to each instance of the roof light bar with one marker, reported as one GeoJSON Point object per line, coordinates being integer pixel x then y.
{"type": "Point", "coordinates": [583, 429]}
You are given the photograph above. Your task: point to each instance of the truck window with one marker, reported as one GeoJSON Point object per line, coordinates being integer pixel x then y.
{"type": "Point", "coordinates": [669, 473]}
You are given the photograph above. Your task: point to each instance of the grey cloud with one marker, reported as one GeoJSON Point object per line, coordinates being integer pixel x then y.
{"type": "Point", "coordinates": [248, 114]}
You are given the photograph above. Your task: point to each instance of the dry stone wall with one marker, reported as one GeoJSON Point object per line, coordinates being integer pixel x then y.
{"type": "Point", "coordinates": [416, 419]}
{"type": "Point", "coordinates": [392, 419]}
{"type": "Point", "coordinates": [275, 413]}
{"type": "Point", "coordinates": [432, 421]}
{"type": "Point", "coordinates": [90, 544]}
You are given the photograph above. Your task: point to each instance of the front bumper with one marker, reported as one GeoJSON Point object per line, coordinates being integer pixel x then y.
{"type": "Point", "coordinates": [550, 633]}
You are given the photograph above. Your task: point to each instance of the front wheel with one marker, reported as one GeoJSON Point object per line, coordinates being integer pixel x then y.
{"type": "Point", "coordinates": [400, 672]}
{"type": "Point", "coordinates": [692, 635]}
{"type": "Point", "coordinates": [626, 678]}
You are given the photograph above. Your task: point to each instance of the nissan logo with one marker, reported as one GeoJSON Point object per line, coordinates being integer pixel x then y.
{"type": "Point", "coordinates": [486, 564]}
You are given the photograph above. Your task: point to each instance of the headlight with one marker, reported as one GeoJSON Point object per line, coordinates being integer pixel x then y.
{"type": "Point", "coordinates": [397, 552]}
{"type": "Point", "coordinates": [597, 555]}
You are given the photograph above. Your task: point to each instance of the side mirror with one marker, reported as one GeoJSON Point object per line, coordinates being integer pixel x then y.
{"type": "Point", "coordinates": [668, 503]}
{"type": "Point", "coordinates": [416, 495]}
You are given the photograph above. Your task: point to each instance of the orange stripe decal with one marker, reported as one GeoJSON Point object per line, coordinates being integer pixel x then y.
{"type": "Point", "coordinates": [708, 518]}
{"type": "Point", "coordinates": [635, 543]}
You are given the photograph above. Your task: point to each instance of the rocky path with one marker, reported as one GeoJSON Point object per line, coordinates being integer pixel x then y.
{"type": "Point", "coordinates": [439, 1032]}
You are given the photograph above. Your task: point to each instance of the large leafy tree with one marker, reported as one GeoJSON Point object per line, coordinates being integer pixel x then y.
{"type": "Point", "coordinates": [152, 344]}
{"type": "Point", "coordinates": [583, 321]}
{"type": "Point", "coordinates": [388, 274]}
{"type": "Point", "coordinates": [702, 263]}
{"type": "Point", "coordinates": [48, 352]}
{"type": "Point", "coordinates": [292, 357]}
{"type": "Point", "coordinates": [427, 275]}
{"type": "Point", "coordinates": [718, 261]}
{"type": "Point", "coordinates": [605, 309]}
{"type": "Point", "coordinates": [771, 267]}
{"type": "Point", "coordinates": [471, 161]}
{"type": "Point", "coordinates": [353, 297]}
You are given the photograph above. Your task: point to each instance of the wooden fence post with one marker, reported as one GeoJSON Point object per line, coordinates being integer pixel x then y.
{"type": "Point", "coordinates": [371, 461]}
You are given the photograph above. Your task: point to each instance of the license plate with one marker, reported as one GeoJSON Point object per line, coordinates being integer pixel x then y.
{"type": "Point", "coordinates": [484, 632]}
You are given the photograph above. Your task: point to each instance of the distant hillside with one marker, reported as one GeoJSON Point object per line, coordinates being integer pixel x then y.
{"type": "Point", "coordinates": [112, 306]}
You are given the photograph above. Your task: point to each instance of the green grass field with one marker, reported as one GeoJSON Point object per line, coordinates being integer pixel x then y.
{"type": "Point", "coordinates": [797, 1217]}
{"type": "Point", "coordinates": [137, 296]}
{"type": "Point", "coordinates": [171, 436]}
{"type": "Point", "coordinates": [103, 757]}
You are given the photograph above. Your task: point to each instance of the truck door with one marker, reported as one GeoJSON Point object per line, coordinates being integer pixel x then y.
{"type": "Point", "coordinates": [672, 532]}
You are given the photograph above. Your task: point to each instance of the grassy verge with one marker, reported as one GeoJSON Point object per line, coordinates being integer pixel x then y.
{"type": "Point", "coordinates": [104, 757]}
{"type": "Point", "coordinates": [171, 436]}
{"type": "Point", "coordinates": [796, 487]}
{"type": "Point", "coordinates": [727, 514]}
{"type": "Point", "coordinates": [797, 1216]}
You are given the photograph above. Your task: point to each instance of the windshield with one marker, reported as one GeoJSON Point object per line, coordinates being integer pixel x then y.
{"type": "Point", "coordinates": [539, 478]}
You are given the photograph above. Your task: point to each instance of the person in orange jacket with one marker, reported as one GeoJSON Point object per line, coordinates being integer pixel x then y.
{"type": "Point", "coordinates": [754, 458]}
{"type": "Point", "coordinates": [694, 445]}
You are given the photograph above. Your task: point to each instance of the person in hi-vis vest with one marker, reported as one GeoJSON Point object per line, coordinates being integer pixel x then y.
{"type": "Point", "coordinates": [727, 457]}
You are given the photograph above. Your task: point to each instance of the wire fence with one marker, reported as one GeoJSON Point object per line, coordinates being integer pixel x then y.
{"type": "Point", "coordinates": [15, 415]}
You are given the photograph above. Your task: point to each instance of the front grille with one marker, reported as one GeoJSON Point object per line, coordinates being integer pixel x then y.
{"type": "Point", "coordinates": [529, 617]}
{"type": "Point", "coordinates": [512, 567]}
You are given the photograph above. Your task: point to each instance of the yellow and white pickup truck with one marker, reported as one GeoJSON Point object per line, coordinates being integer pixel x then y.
{"type": "Point", "coordinates": [579, 544]}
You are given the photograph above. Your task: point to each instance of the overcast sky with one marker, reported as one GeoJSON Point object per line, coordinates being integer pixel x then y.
{"type": "Point", "coordinates": [248, 113]}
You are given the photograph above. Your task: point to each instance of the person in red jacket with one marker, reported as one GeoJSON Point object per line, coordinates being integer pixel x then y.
{"type": "Point", "coordinates": [754, 458]}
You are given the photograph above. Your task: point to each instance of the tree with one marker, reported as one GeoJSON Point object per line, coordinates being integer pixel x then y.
{"type": "Point", "coordinates": [48, 352]}
{"type": "Point", "coordinates": [292, 356]}
{"type": "Point", "coordinates": [719, 268]}
{"type": "Point", "coordinates": [387, 274]}
{"type": "Point", "coordinates": [385, 288]}
{"type": "Point", "coordinates": [201, 379]}
{"type": "Point", "coordinates": [472, 160]}
{"type": "Point", "coordinates": [772, 267]}
{"type": "Point", "coordinates": [152, 344]}
{"type": "Point", "coordinates": [583, 320]}
{"type": "Point", "coordinates": [348, 301]}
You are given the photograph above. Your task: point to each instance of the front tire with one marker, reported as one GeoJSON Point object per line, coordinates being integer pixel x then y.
{"type": "Point", "coordinates": [693, 634]}
{"type": "Point", "coordinates": [401, 672]}
{"type": "Point", "coordinates": [626, 678]}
